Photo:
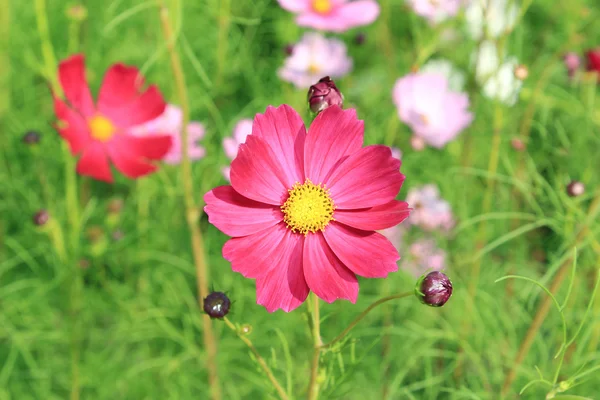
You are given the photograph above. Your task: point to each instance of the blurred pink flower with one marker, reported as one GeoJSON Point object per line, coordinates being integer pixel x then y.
{"type": "Point", "coordinates": [430, 212]}
{"type": "Point", "coordinates": [169, 123]}
{"type": "Point", "coordinates": [430, 108]}
{"type": "Point", "coordinates": [396, 153]}
{"type": "Point", "coordinates": [436, 10]}
{"type": "Point", "coordinates": [314, 57]}
{"type": "Point", "coordinates": [572, 62]}
{"type": "Point", "coordinates": [423, 255]}
{"type": "Point", "coordinates": [332, 15]}
{"type": "Point", "coordinates": [231, 144]}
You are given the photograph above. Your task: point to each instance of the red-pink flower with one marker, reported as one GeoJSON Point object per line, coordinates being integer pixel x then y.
{"type": "Point", "coordinates": [101, 132]}
{"type": "Point", "coordinates": [303, 207]}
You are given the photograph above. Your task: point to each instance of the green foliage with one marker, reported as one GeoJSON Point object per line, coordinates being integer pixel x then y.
{"type": "Point", "coordinates": [139, 323]}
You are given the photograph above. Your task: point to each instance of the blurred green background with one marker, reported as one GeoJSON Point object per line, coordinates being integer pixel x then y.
{"type": "Point", "coordinates": [137, 310]}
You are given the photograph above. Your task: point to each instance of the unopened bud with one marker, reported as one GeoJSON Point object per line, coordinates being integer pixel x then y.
{"type": "Point", "coordinates": [324, 94]}
{"type": "Point", "coordinates": [572, 62]}
{"type": "Point", "coordinates": [217, 305]}
{"type": "Point", "coordinates": [360, 38]}
{"type": "Point", "coordinates": [517, 144]}
{"type": "Point", "coordinates": [114, 206]}
{"type": "Point", "coordinates": [521, 72]}
{"type": "Point", "coordinates": [77, 13]}
{"type": "Point", "coordinates": [289, 49]}
{"type": "Point", "coordinates": [31, 137]}
{"type": "Point", "coordinates": [434, 289]}
{"type": "Point", "coordinates": [575, 189]}
{"type": "Point", "coordinates": [41, 217]}
{"type": "Point", "coordinates": [593, 61]}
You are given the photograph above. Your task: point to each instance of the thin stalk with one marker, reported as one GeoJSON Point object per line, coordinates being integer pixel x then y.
{"type": "Point", "coordinates": [261, 361]}
{"type": "Point", "coordinates": [222, 42]}
{"type": "Point", "coordinates": [546, 303]}
{"type": "Point", "coordinates": [313, 385]}
{"type": "Point", "coordinates": [364, 314]}
{"type": "Point", "coordinates": [192, 210]}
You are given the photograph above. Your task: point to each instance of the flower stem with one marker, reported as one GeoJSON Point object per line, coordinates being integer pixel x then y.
{"type": "Point", "coordinates": [546, 303]}
{"type": "Point", "coordinates": [313, 385]}
{"type": "Point", "coordinates": [364, 314]}
{"type": "Point", "coordinates": [192, 210]}
{"type": "Point", "coordinates": [261, 361]}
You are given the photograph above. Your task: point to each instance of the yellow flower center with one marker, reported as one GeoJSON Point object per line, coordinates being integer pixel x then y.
{"type": "Point", "coordinates": [308, 209]}
{"type": "Point", "coordinates": [313, 69]}
{"type": "Point", "coordinates": [322, 6]}
{"type": "Point", "coordinates": [101, 128]}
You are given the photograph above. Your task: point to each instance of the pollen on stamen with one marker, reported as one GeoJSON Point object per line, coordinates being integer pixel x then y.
{"type": "Point", "coordinates": [308, 209]}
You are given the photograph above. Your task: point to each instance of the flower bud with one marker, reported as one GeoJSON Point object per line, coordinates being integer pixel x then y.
{"type": "Point", "coordinates": [360, 38]}
{"type": "Point", "coordinates": [324, 94]}
{"type": "Point", "coordinates": [41, 217]}
{"type": "Point", "coordinates": [517, 144]}
{"type": "Point", "coordinates": [115, 206]}
{"type": "Point", "coordinates": [593, 61]}
{"type": "Point", "coordinates": [217, 305]}
{"type": "Point", "coordinates": [434, 289]}
{"type": "Point", "coordinates": [572, 62]}
{"type": "Point", "coordinates": [521, 72]}
{"type": "Point", "coordinates": [575, 189]}
{"type": "Point", "coordinates": [77, 13]}
{"type": "Point", "coordinates": [246, 329]}
{"type": "Point", "coordinates": [31, 137]}
{"type": "Point", "coordinates": [289, 49]}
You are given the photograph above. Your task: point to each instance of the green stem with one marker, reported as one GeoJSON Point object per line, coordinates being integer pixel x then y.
{"type": "Point", "coordinates": [192, 210]}
{"type": "Point", "coordinates": [261, 361]}
{"type": "Point", "coordinates": [313, 385]}
{"type": "Point", "coordinates": [222, 42]}
{"type": "Point", "coordinates": [364, 314]}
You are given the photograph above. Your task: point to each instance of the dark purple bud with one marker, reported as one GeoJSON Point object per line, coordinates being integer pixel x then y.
{"type": "Point", "coordinates": [434, 289]}
{"type": "Point", "coordinates": [289, 49]}
{"type": "Point", "coordinates": [217, 305]}
{"type": "Point", "coordinates": [31, 137]}
{"type": "Point", "coordinates": [575, 189]}
{"type": "Point", "coordinates": [360, 38]}
{"type": "Point", "coordinates": [324, 94]}
{"type": "Point", "coordinates": [41, 217]}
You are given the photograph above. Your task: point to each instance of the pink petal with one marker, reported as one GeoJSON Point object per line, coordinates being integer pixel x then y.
{"type": "Point", "coordinates": [252, 255]}
{"type": "Point", "coordinates": [367, 254]}
{"type": "Point", "coordinates": [230, 145]}
{"type": "Point", "coordinates": [358, 13]}
{"type": "Point", "coordinates": [367, 178]}
{"type": "Point", "coordinates": [71, 73]}
{"type": "Point", "coordinates": [283, 131]}
{"type": "Point", "coordinates": [256, 174]}
{"type": "Point", "coordinates": [235, 215]}
{"type": "Point", "coordinates": [324, 272]}
{"type": "Point", "coordinates": [284, 287]}
{"type": "Point", "coordinates": [122, 99]}
{"type": "Point", "coordinates": [375, 218]}
{"type": "Point", "coordinates": [295, 6]}
{"type": "Point", "coordinates": [130, 165]}
{"type": "Point", "coordinates": [333, 135]}
{"type": "Point", "coordinates": [94, 163]}
{"type": "Point", "coordinates": [71, 126]}
{"type": "Point", "coordinates": [152, 147]}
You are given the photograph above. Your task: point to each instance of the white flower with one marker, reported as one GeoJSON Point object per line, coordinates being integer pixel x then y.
{"type": "Point", "coordinates": [455, 77]}
{"type": "Point", "coordinates": [498, 80]}
{"type": "Point", "coordinates": [498, 16]}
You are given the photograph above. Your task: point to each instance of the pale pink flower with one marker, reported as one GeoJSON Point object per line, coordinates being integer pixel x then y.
{"type": "Point", "coordinates": [231, 144]}
{"type": "Point", "coordinates": [396, 153]}
{"type": "Point", "coordinates": [436, 10]}
{"type": "Point", "coordinates": [430, 212]}
{"type": "Point", "coordinates": [314, 57]}
{"type": "Point", "coordinates": [423, 255]}
{"type": "Point", "coordinates": [332, 15]}
{"type": "Point", "coordinates": [430, 108]}
{"type": "Point", "coordinates": [169, 123]}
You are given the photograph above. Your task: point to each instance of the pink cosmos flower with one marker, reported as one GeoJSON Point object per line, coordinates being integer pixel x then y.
{"type": "Point", "coordinates": [102, 132]}
{"type": "Point", "coordinates": [231, 144]}
{"type": "Point", "coordinates": [314, 57]}
{"type": "Point", "coordinates": [303, 208]}
{"type": "Point", "coordinates": [436, 10]}
{"type": "Point", "coordinates": [430, 212]}
{"type": "Point", "coordinates": [170, 122]}
{"type": "Point", "coordinates": [332, 15]}
{"type": "Point", "coordinates": [430, 108]}
{"type": "Point", "coordinates": [423, 256]}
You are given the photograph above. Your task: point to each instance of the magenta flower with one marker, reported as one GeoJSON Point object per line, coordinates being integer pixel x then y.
{"type": "Point", "coordinates": [430, 212]}
{"type": "Point", "coordinates": [436, 10]}
{"type": "Point", "coordinates": [169, 123]}
{"type": "Point", "coordinates": [303, 207]}
{"type": "Point", "coordinates": [314, 57]}
{"type": "Point", "coordinates": [424, 255]}
{"type": "Point", "coordinates": [332, 15]}
{"type": "Point", "coordinates": [231, 144]}
{"type": "Point", "coordinates": [430, 108]}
